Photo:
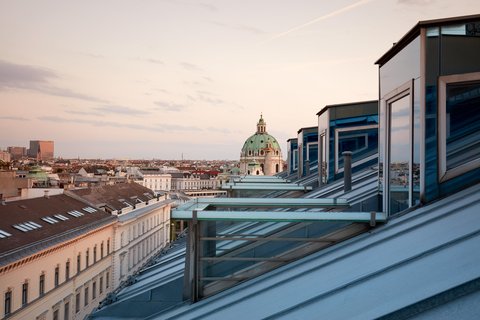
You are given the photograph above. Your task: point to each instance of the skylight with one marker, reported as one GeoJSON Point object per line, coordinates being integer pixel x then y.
{"type": "Point", "coordinates": [75, 213]}
{"type": "Point", "coordinates": [50, 220]}
{"type": "Point", "coordinates": [89, 209]}
{"type": "Point", "coordinates": [61, 217]}
{"type": "Point", "coordinates": [26, 226]}
{"type": "Point", "coordinates": [4, 234]}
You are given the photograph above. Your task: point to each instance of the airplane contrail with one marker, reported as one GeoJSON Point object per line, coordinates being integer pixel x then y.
{"type": "Point", "coordinates": [324, 17]}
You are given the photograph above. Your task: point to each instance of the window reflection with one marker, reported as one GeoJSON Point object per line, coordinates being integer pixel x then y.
{"type": "Point", "coordinates": [399, 154]}
{"type": "Point", "coordinates": [363, 143]}
{"type": "Point", "coordinates": [462, 123]}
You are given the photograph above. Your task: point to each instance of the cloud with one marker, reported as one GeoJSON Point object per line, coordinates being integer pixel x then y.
{"type": "Point", "coordinates": [202, 5]}
{"type": "Point", "coordinates": [212, 99]}
{"type": "Point", "coordinates": [83, 113]}
{"type": "Point", "coordinates": [170, 106]}
{"type": "Point", "coordinates": [23, 76]}
{"type": "Point", "coordinates": [14, 118]}
{"type": "Point", "coordinates": [190, 66]}
{"type": "Point", "coordinates": [207, 6]}
{"type": "Point", "coordinates": [149, 60]}
{"type": "Point", "coordinates": [156, 61]}
{"type": "Point", "coordinates": [121, 110]}
{"type": "Point", "coordinates": [240, 27]}
{"type": "Point", "coordinates": [93, 55]}
{"type": "Point", "coordinates": [209, 98]}
{"type": "Point", "coordinates": [220, 130]}
{"type": "Point", "coordinates": [416, 2]}
{"type": "Point", "coordinates": [17, 76]}
{"type": "Point", "coordinates": [321, 18]}
{"type": "Point", "coordinates": [63, 92]}
{"type": "Point", "coordinates": [162, 127]}
{"type": "Point", "coordinates": [175, 127]}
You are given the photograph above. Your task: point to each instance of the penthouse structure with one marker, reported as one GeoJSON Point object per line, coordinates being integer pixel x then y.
{"type": "Point", "coordinates": [401, 243]}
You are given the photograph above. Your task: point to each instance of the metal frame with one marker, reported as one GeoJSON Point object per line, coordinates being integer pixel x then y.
{"type": "Point", "coordinates": [443, 173]}
{"type": "Point", "coordinates": [423, 71]}
{"type": "Point", "coordinates": [280, 216]}
{"type": "Point", "coordinates": [358, 162]}
{"type": "Point", "coordinates": [267, 186]}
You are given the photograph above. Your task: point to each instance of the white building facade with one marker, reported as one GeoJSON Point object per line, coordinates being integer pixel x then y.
{"type": "Point", "coordinates": [140, 233]}
{"type": "Point", "coordinates": [157, 181]}
{"type": "Point", "coordinates": [60, 276]}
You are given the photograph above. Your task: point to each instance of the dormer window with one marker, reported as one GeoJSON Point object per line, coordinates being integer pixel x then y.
{"type": "Point", "coordinates": [429, 114]}
{"type": "Point", "coordinates": [459, 124]}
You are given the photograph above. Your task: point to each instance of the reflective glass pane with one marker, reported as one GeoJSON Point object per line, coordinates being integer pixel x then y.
{"type": "Point", "coordinates": [312, 153]}
{"type": "Point", "coordinates": [362, 143]}
{"type": "Point", "coordinates": [399, 154]}
{"type": "Point", "coordinates": [462, 123]}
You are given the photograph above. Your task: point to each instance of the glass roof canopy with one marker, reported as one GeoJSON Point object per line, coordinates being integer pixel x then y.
{"type": "Point", "coordinates": [207, 209]}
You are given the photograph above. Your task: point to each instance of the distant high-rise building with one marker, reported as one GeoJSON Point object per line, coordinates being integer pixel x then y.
{"type": "Point", "coordinates": [17, 152]}
{"type": "Point", "coordinates": [41, 150]}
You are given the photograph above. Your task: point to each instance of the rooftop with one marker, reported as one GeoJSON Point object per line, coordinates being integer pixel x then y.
{"type": "Point", "coordinates": [115, 196]}
{"type": "Point", "coordinates": [26, 223]}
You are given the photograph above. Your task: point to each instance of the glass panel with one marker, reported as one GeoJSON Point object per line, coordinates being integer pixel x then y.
{"type": "Point", "coordinates": [399, 154]}
{"type": "Point", "coordinates": [312, 152]}
{"type": "Point", "coordinates": [462, 123]}
{"type": "Point", "coordinates": [362, 143]}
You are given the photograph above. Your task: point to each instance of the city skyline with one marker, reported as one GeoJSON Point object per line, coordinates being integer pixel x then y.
{"type": "Point", "coordinates": [174, 77]}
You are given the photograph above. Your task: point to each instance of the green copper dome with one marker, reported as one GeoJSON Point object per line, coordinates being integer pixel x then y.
{"type": "Point", "coordinates": [260, 143]}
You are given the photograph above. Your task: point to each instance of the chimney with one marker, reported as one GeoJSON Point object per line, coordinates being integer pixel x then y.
{"type": "Point", "coordinates": [46, 194]}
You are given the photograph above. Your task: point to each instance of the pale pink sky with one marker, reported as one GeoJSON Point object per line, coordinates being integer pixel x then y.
{"type": "Point", "coordinates": [155, 79]}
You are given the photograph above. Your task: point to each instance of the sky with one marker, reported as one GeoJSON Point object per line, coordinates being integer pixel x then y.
{"type": "Point", "coordinates": [162, 79]}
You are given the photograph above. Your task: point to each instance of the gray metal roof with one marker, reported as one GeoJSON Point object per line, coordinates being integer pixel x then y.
{"type": "Point", "coordinates": [135, 300]}
{"type": "Point", "coordinates": [415, 263]}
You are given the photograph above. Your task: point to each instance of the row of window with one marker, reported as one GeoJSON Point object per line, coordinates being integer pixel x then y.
{"type": "Point", "coordinates": [87, 257]}
{"type": "Point", "coordinates": [262, 153]}
{"type": "Point", "coordinates": [91, 292]}
{"type": "Point", "coordinates": [102, 285]}
{"type": "Point", "coordinates": [56, 278]}
{"type": "Point", "coordinates": [143, 249]}
{"type": "Point", "coordinates": [141, 227]}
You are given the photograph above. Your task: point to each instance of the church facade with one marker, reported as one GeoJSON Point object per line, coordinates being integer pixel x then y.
{"type": "Point", "coordinates": [261, 153]}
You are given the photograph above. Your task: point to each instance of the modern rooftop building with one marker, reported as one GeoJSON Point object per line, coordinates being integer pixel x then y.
{"type": "Point", "coordinates": [429, 119]}
{"type": "Point", "coordinates": [346, 255]}
{"type": "Point", "coordinates": [349, 127]}
{"type": "Point", "coordinates": [307, 150]}
{"type": "Point", "coordinates": [292, 155]}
